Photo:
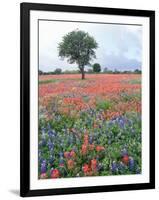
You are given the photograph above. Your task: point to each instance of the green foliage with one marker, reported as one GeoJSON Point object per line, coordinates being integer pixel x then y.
{"type": "Point", "coordinates": [58, 71]}
{"type": "Point", "coordinates": [122, 134]}
{"type": "Point", "coordinates": [130, 97]}
{"type": "Point", "coordinates": [48, 81]}
{"type": "Point", "coordinates": [78, 47]}
{"type": "Point", "coordinates": [103, 105]}
{"type": "Point", "coordinates": [137, 71]}
{"type": "Point", "coordinates": [96, 67]}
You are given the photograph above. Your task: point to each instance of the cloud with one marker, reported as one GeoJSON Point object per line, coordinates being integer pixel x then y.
{"type": "Point", "coordinates": [120, 46]}
{"type": "Point", "coordinates": [121, 62]}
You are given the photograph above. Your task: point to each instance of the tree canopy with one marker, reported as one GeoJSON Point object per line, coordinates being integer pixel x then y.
{"type": "Point", "coordinates": [78, 47]}
{"type": "Point", "coordinates": [96, 67]}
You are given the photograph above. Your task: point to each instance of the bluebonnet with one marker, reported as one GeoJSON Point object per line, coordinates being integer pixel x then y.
{"type": "Point", "coordinates": [61, 154]}
{"type": "Point", "coordinates": [51, 159]}
{"type": "Point", "coordinates": [50, 133]}
{"type": "Point", "coordinates": [100, 167]}
{"type": "Point", "coordinates": [124, 152]}
{"type": "Point", "coordinates": [121, 124]}
{"type": "Point", "coordinates": [114, 167]}
{"type": "Point", "coordinates": [90, 139]}
{"type": "Point", "coordinates": [43, 167]}
{"type": "Point", "coordinates": [131, 163]}
{"type": "Point", "coordinates": [50, 145]}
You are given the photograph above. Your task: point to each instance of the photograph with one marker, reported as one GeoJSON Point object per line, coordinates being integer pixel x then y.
{"type": "Point", "coordinates": [89, 99]}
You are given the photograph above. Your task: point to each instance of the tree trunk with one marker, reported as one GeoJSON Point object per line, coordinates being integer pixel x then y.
{"type": "Point", "coordinates": [83, 74]}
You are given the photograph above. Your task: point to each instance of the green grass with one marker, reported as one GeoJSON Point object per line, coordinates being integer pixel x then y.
{"type": "Point", "coordinates": [135, 81]}
{"type": "Point", "coordinates": [65, 79]}
{"type": "Point", "coordinates": [103, 105]}
{"type": "Point", "coordinates": [129, 97]}
{"type": "Point", "coordinates": [49, 81]}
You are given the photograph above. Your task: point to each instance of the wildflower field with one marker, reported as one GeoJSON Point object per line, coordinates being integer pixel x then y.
{"type": "Point", "coordinates": [89, 127]}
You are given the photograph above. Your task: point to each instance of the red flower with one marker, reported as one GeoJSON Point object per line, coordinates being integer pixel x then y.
{"type": "Point", "coordinates": [125, 159]}
{"type": "Point", "coordinates": [73, 154]}
{"type": "Point", "coordinates": [94, 164]}
{"type": "Point", "coordinates": [86, 139]}
{"type": "Point", "coordinates": [66, 154]}
{"type": "Point", "coordinates": [70, 164]}
{"type": "Point", "coordinates": [86, 168]}
{"type": "Point", "coordinates": [100, 148]}
{"type": "Point", "coordinates": [55, 173]}
{"type": "Point", "coordinates": [84, 149]}
{"type": "Point", "coordinates": [91, 146]}
{"type": "Point", "coordinates": [43, 175]}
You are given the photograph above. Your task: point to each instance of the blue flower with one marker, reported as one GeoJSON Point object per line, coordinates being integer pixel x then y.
{"type": "Point", "coordinates": [100, 167]}
{"type": "Point", "coordinates": [61, 154]}
{"type": "Point", "coordinates": [50, 133]}
{"type": "Point", "coordinates": [51, 159]}
{"type": "Point", "coordinates": [114, 167]}
{"type": "Point", "coordinates": [90, 139]}
{"type": "Point", "coordinates": [121, 124]}
{"type": "Point", "coordinates": [124, 152]}
{"type": "Point", "coordinates": [43, 167]}
{"type": "Point", "coordinates": [131, 164]}
{"type": "Point", "coordinates": [50, 145]}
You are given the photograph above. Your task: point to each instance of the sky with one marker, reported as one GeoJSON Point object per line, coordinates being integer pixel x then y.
{"type": "Point", "coordinates": [119, 46]}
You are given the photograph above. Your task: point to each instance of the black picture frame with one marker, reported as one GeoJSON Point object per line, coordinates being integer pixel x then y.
{"type": "Point", "coordinates": [25, 9]}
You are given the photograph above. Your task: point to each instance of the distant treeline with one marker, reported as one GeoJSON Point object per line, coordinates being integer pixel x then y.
{"type": "Point", "coordinates": [90, 71]}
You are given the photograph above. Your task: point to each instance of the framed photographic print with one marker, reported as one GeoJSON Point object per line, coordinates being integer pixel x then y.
{"type": "Point", "coordinates": [87, 99]}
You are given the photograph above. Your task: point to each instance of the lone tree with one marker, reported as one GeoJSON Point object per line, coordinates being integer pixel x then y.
{"type": "Point", "coordinates": [96, 67]}
{"type": "Point", "coordinates": [40, 72]}
{"type": "Point", "coordinates": [58, 71]}
{"type": "Point", "coordinates": [78, 47]}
